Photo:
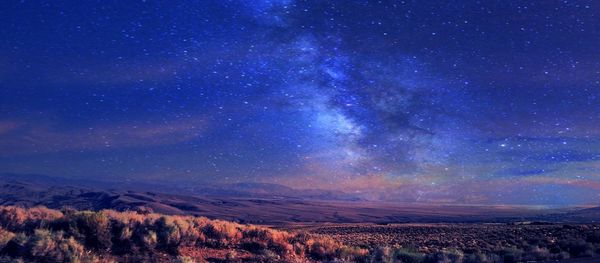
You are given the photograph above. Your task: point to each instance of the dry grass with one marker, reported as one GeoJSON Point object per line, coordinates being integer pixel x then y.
{"type": "Point", "coordinates": [45, 235]}
{"type": "Point", "coordinates": [40, 234]}
{"type": "Point", "coordinates": [466, 242]}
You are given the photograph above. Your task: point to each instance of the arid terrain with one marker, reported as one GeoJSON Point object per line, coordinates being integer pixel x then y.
{"type": "Point", "coordinates": [473, 242]}
{"type": "Point", "coordinates": [87, 224]}
{"type": "Point", "coordinates": [45, 235]}
{"type": "Point", "coordinates": [252, 204]}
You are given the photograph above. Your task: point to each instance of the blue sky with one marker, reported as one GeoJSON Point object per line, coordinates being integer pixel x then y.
{"type": "Point", "coordinates": [467, 101]}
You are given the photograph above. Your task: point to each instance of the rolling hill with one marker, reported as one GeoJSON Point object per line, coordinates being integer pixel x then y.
{"type": "Point", "coordinates": [254, 203]}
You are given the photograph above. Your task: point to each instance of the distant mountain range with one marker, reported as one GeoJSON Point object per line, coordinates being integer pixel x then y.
{"type": "Point", "coordinates": [254, 190]}
{"type": "Point", "coordinates": [256, 203]}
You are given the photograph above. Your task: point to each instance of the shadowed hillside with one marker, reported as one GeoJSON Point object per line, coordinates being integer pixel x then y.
{"type": "Point", "coordinates": [242, 190]}
{"type": "Point", "coordinates": [261, 208]}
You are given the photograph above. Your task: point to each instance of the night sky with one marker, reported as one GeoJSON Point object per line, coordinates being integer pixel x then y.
{"type": "Point", "coordinates": [476, 102]}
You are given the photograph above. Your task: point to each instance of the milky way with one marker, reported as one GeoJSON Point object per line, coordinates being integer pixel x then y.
{"type": "Point", "coordinates": [475, 102]}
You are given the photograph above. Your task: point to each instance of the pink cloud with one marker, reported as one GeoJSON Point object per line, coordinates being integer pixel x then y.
{"type": "Point", "coordinates": [432, 188]}
{"type": "Point", "coordinates": [43, 138]}
{"type": "Point", "coordinates": [118, 74]}
{"type": "Point", "coordinates": [8, 126]}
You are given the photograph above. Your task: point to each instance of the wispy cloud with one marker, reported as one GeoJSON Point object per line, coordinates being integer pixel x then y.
{"type": "Point", "coordinates": [8, 126]}
{"type": "Point", "coordinates": [32, 138]}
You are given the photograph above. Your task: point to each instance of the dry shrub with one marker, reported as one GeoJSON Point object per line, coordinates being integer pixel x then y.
{"type": "Point", "coordinates": [255, 240]}
{"type": "Point", "coordinates": [95, 228]}
{"type": "Point", "coordinates": [221, 233]}
{"type": "Point", "coordinates": [190, 231]}
{"type": "Point", "coordinates": [47, 246]}
{"type": "Point", "coordinates": [184, 259]}
{"type": "Point", "coordinates": [263, 240]}
{"type": "Point", "coordinates": [21, 219]}
{"type": "Point", "coordinates": [538, 254]}
{"type": "Point", "coordinates": [5, 237]}
{"type": "Point", "coordinates": [150, 240]}
{"type": "Point", "coordinates": [353, 254]}
{"type": "Point", "coordinates": [412, 256]}
{"type": "Point", "coordinates": [12, 218]}
{"type": "Point", "coordinates": [40, 213]}
{"type": "Point", "coordinates": [323, 248]}
{"type": "Point", "coordinates": [168, 233]}
{"type": "Point", "coordinates": [174, 231]}
{"type": "Point", "coordinates": [482, 258]}
{"type": "Point", "coordinates": [279, 242]}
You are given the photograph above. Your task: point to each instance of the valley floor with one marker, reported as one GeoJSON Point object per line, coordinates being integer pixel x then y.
{"type": "Point", "coordinates": [472, 242]}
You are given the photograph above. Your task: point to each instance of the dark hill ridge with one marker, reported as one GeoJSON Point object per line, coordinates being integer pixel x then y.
{"type": "Point", "coordinates": [252, 190]}
{"type": "Point", "coordinates": [258, 206]}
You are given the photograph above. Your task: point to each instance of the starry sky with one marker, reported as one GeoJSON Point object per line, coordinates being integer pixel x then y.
{"type": "Point", "coordinates": [475, 102]}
